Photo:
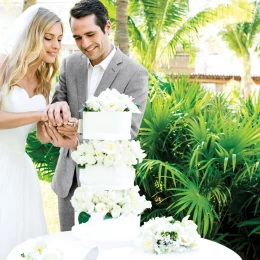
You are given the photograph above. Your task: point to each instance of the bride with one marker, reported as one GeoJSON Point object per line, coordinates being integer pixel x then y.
{"type": "Point", "coordinates": [26, 73]}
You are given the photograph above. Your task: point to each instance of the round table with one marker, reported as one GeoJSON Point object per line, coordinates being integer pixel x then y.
{"type": "Point", "coordinates": [72, 248]}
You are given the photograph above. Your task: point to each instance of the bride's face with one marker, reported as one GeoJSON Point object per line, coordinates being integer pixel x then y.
{"type": "Point", "coordinates": [52, 43]}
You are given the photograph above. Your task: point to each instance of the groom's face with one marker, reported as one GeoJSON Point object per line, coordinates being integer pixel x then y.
{"type": "Point", "coordinates": [90, 39]}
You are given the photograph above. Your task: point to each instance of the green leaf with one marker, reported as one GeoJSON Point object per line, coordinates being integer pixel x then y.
{"type": "Point", "coordinates": [83, 217]}
{"type": "Point", "coordinates": [108, 216]}
{"type": "Point", "coordinates": [81, 166]}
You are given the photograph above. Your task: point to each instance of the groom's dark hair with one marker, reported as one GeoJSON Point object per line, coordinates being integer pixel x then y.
{"type": "Point", "coordinates": [87, 7]}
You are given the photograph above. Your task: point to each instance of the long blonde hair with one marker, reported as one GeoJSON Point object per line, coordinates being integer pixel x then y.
{"type": "Point", "coordinates": [29, 53]}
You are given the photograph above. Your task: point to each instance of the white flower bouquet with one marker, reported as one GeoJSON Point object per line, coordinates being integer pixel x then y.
{"type": "Point", "coordinates": [41, 251]}
{"type": "Point", "coordinates": [109, 203]}
{"type": "Point", "coordinates": [108, 153]}
{"type": "Point", "coordinates": [111, 100]}
{"type": "Point", "coordinates": [165, 235]}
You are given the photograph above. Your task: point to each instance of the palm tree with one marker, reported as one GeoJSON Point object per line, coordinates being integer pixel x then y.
{"type": "Point", "coordinates": [167, 25]}
{"type": "Point", "coordinates": [121, 34]}
{"type": "Point", "coordinates": [243, 39]}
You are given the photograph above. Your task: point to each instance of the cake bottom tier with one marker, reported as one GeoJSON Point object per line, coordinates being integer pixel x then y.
{"type": "Point", "coordinates": [99, 232]}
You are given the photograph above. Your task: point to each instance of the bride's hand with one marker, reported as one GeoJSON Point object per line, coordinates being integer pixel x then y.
{"type": "Point", "coordinates": [43, 117]}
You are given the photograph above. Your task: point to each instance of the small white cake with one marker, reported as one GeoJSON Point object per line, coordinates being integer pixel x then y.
{"type": "Point", "coordinates": [107, 125]}
{"type": "Point", "coordinates": [99, 176]}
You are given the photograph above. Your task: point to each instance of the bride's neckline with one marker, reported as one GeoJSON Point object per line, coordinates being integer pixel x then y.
{"type": "Point", "coordinates": [27, 92]}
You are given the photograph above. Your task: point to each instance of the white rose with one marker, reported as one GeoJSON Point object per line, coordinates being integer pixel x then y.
{"type": "Point", "coordinates": [116, 211]}
{"type": "Point", "coordinates": [109, 147]}
{"type": "Point", "coordinates": [95, 199]}
{"type": "Point", "coordinates": [76, 204]}
{"type": "Point", "coordinates": [82, 148]}
{"type": "Point", "coordinates": [90, 206]}
{"type": "Point", "coordinates": [126, 209]}
{"type": "Point", "coordinates": [100, 157]}
{"type": "Point", "coordinates": [75, 155]}
{"type": "Point", "coordinates": [148, 244]}
{"type": "Point", "coordinates": [109, 160]}
{"type": "Point", "coordinates": [116, 196]}
{"type": "Point", "coordinates": [93, 103]}
{"type": "Point", "coordinates": [101, 208]}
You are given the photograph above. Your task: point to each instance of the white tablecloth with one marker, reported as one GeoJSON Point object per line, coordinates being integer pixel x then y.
{"type": "Point", "coordinates": [73, 249]}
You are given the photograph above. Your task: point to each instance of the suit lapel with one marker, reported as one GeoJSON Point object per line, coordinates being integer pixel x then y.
{"type": "Point", "coordinates": [82, 81]}
{"type": "Point", "coordinates": [110, 73]}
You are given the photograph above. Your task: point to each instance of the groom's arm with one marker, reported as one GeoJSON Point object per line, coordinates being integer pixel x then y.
{"type": "Point", "coordinates": [137, 88]}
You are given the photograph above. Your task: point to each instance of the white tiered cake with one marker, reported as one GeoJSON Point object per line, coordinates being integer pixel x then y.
{"type": "Point", "coordinates": [108, 205]}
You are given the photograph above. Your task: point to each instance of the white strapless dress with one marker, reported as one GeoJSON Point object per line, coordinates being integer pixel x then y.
{"type": "Point", "coordinates": [21, 209]}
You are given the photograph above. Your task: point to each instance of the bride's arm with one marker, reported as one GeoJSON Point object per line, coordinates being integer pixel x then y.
{"type": "Point", "coordinates": [39, 133]}
{"type": "Point", "coordinates": [12, 120]}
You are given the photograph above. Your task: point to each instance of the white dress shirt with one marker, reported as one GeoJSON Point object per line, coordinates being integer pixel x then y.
{"type": "Point", "coordinates": [96, 73]}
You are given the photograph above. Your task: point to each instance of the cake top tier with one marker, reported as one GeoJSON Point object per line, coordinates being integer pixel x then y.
{"type": "Point", "coordinates": [108, 116]}
{"type": "Point", "coordinates": [111, 100]}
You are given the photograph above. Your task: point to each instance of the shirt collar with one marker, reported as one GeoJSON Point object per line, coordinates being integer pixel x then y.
{"type": "Point", "coordinates": [104, 63]}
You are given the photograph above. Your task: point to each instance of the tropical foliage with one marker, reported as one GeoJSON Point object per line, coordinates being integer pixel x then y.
{"type": "Point", "coordinates": [203, 161]}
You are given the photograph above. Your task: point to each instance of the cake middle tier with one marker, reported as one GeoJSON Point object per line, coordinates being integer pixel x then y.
{"type": "Point", "coordinates": [107, 125]}
{"type": "Point", "coordinates": [110, 178]}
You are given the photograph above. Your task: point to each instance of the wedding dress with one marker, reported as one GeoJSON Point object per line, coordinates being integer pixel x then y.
{"type": "Point", "coordinates": [21, 209]}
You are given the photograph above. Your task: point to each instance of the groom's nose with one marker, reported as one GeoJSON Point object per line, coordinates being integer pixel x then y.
{"type": "Point", "coordinates": [85, 43]}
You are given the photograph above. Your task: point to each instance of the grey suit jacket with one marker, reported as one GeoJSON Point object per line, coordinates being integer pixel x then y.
{"type": "Point", "coordinates": [122, 73]}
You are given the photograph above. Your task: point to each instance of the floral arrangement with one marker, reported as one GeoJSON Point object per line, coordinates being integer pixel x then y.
{"type": "Point", "coordinates": [109, 203]}
{"type": "Point", "coordinates": [111, 100]}
{"type": "Point", "coordinates": [165, 235]}
{"type": "Point", "coordinates": [108, 153]}
{"type": "Point", "coordinates": [40, 251]}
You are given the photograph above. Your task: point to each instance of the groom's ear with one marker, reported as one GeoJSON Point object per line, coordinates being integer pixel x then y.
{"type": "Point", "coordinates": [108, 27]}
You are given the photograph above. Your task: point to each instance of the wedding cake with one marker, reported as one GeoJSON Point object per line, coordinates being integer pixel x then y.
{"type": "Point", "coordinates": [108, 205]}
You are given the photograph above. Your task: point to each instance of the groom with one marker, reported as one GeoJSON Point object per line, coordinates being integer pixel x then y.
{"type": "Point", "coordinates": [99, 66]}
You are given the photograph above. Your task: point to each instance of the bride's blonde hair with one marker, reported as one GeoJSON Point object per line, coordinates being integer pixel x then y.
{"type": "Point", "coordinates": [29, 52]}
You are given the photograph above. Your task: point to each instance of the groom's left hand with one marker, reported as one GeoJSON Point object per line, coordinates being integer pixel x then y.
{"type": "Point", "coordinates": [59, 139]}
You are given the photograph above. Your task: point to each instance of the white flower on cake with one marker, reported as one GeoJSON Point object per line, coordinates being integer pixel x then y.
{"type": "Point", "coordinates": [116, 203]}
{"type": "Point", "coordinates": [165, 235]}
{"type": "Point", "coordinates": [101, 208]}
{"type": "Point", "coordinates": [111, 101]}
{"type": "Point", "coordinates": [108, 153]}
{"type": "Point", "coordinates": [41, 251]}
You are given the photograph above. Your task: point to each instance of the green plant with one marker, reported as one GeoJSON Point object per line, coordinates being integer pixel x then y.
{"type": "Point", "coordinates": [44, 156]}
{"type": "Point", "coordinates": [202, 160]}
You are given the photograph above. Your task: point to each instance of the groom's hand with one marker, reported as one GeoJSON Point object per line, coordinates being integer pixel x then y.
{"type": "Point", "coordinates": [71, 129]}
{"type": "Point", "coordinates": [59, 140]}
{"type": "Point", "coordinates": [58, 113]}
